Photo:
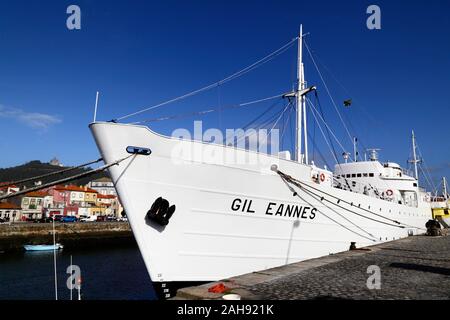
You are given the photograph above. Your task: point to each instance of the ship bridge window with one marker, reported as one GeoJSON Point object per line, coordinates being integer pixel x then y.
{"type": "Point", "coordinates": [359, 175]}
{"type": "Point", "coordinates": [371, 175]}
{"type": "Point", "coordinates": [365, 175]}
{"type": "Point", "coordinates": [354, 175]}
{"type": "Point", "coordinates": [348, 175]}
{"type": "Point", "coordinates": [415, 184]}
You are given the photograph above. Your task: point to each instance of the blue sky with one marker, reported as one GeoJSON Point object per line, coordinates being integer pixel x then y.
{"type": "Point", "coordinates": [139, 53]}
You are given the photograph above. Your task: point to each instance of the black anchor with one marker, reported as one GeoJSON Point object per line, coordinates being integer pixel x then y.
{"type": "Point", "coordinates": [160, 212]}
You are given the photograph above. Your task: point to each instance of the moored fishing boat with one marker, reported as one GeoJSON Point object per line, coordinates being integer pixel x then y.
{"type": "Point", "coordinates": [43, 247]}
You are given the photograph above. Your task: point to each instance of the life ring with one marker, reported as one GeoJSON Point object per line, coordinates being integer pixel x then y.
{"type": "Point", "coordinates": [389, 192]}
{"type": "Point", "coordinates": [322, 177]}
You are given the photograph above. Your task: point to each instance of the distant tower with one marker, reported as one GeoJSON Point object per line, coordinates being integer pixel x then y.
{"type": "Point", "coordinates": [55, 162]}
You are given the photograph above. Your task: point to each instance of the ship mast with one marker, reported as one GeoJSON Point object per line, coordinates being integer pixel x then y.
{"type": "Point", "coordinates": [444, 182]}
{"type": "Point", "coordinates": [415, 161]}
{"type": "Point", "coordinates": [301, 104]}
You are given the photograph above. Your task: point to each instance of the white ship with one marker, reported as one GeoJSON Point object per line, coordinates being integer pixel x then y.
{"type": "Point", "coordinates": [197, 218]}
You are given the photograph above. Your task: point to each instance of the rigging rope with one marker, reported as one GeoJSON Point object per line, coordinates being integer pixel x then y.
{"type": "Point", "coordinates": [218, 83]}
{"type": "Point", "coordinates": [333, 150]}
{"type": "Point", "coordinates": [280, 114]}
{"type": "Point", "coordinates": [338, 223]}
{"type": "Point", "coordinates": [347, 92]}
{"type": "Point", "coordinates": [269, 120]}
{"type": "Point", "coordinates": [331, 147]}
{"type": "Point", "coordinates": [363, 209]}
{"type": "Point", "coordinates": [68, 179]}
{"type": "Point", "coordinates": [200, 113]}
{"type": "Point", "coordinates": [50, 174]}
{"type": "Point", "coordinates": [430, 182]}
{"type": "Point", "coordinates": [299, 184]}
{"type": "Point", "coordinates": [335, 106]}
{"type": "Point", "coordinates": [325, 138]}
{"type": "Point", "coordinates": [287, 122]}
{"type": "Point", "coordinates": [328, 91]}
{"type": "Point", "coordinates": [351, 211]}
{"type": "Point", "coordinates": [329, 129]}
{"type": "Point", "coordinates": [318, 198]}
{"type": "Point", "coordinates": [340, 200]}
{"type": "Point", "coordinates": [316, 149]}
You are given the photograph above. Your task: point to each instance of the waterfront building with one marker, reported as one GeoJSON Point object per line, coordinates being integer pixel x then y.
{"type": "Point", "coordinates": [97, 211]}
{"type": "Point", "coordinates": [76, 195]}
{"type": "Point", "coordinates": [61, 196]}
{"type": "Point", "coordinates": [103, 186]}
{"type": "Point", "coordinates": [110, 203]}
{"type": "Point", "coordinates": [83, 211]}
{"type": "Point", "coordinates": [90, 196]}
{"type": "Point", "coordinates": [71, 210]}
{"type": "Point", "coordinates": [33, 204]}
{"type": "Point", "coordinates": [10, 211]}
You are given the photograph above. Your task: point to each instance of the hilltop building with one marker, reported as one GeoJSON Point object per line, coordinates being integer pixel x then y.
{"type": "Point", "coordinates": [56, 162]}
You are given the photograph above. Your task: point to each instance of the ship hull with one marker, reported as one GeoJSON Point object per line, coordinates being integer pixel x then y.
{"type": "Point", "coordinates": [234, 217]}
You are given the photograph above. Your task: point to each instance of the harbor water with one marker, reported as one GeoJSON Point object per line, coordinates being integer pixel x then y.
{"type": "Point", "coordinates": [107, 273]}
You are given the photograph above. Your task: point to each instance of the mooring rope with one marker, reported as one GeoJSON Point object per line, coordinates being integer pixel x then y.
{"type": "Point", "coordinates": [301, 185]}
{"type": "Point", "coordinates": [351, 211]}
{"type": "Point", "coordinates": [50, 174]}
{"type": "Point", "coordinates": [68, 179]}
{"type": "Point", "coordinates": [297, 195]}
{"type": "Point", "coordinates": [340, 200]}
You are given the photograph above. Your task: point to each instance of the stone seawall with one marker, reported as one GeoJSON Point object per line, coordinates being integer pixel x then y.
{"type": "Point", "coordinates": [14, 236]}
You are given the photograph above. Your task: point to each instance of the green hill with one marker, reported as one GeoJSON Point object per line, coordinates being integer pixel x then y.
{"type": "Point", "coordinates": [37, 168]}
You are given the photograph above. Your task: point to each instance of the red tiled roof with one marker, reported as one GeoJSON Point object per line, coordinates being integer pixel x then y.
{"type": "Point", "coordinates": [36, 194]}
{"type": "Point", "coordinates": [91, 190]}
{"type": "Point", "coordinates": [6, 185]}
{"type": "Point", "coordinates": [69, 188]}
{"type": "Point", "coordinates": [8, 205]}
{"type": "Point", "coordinates": [75, 188]}
{"type": "Point", "coordinates": [106, 196]}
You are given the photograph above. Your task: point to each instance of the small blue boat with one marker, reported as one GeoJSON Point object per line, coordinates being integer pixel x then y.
{"type": "Point", "coordinates": [42, 247]}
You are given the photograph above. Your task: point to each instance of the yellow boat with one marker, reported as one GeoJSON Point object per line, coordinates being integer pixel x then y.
{"type": "Point", "coordinates": [441, 212]}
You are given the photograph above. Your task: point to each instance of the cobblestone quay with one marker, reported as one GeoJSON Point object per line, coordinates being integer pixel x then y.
{"type": "Point", "coordinates": [412, 268]}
